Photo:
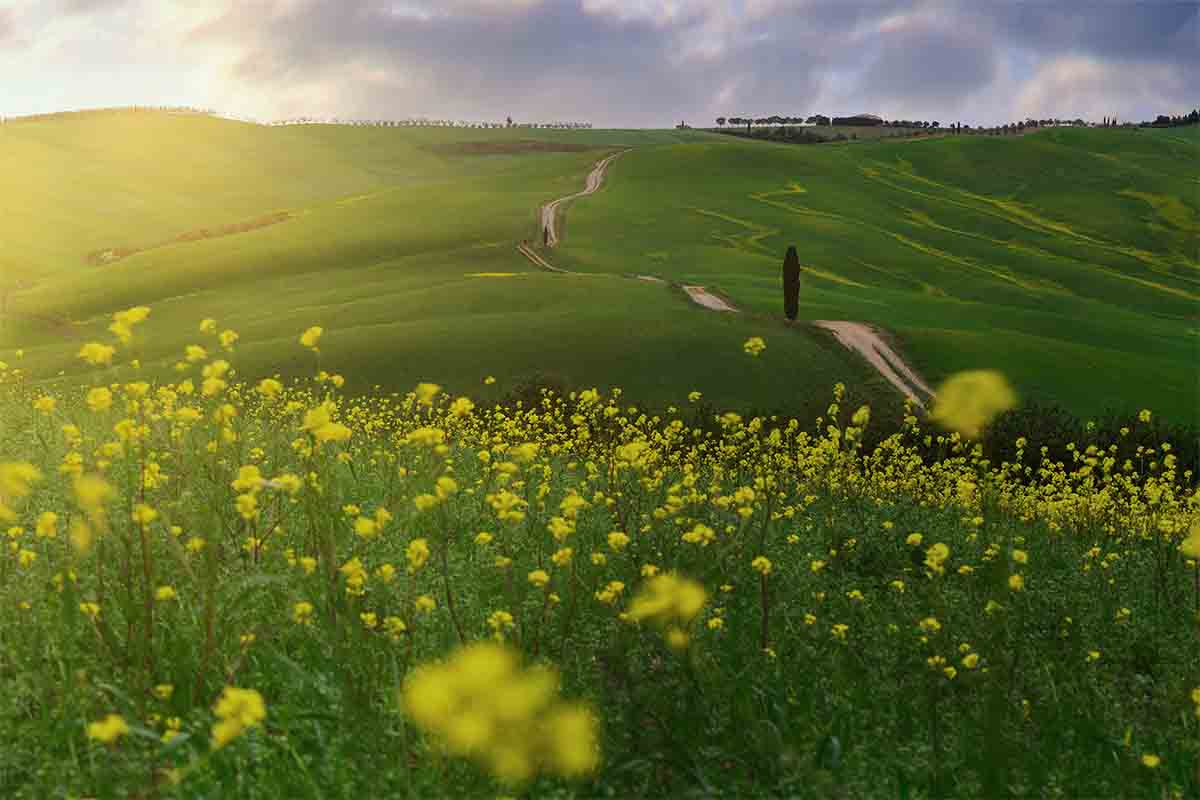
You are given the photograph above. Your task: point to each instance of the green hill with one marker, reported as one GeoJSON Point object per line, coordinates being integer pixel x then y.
{"type": "Point", "coordinates": [1065, 258]}
{"type": "Point", "coordinates": [380, 235]}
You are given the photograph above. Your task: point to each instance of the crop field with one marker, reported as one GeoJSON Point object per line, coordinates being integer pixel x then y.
{"type": "Point", "coordinates": [219, 589]}
{"type": "Point", "coordinates": [290, 508]}
{"type": "Point", "coordinates": [1066, 258]}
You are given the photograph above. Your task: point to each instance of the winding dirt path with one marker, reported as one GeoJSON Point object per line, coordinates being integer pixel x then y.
{"type": "Point", "coordinates": [866, 341]}
{"type": "Point", "coordinates": [859, 337]}
{"type": "Point", "coordinates": [550, 210]}
{"type": "Point", "coordinates": [528, 252]}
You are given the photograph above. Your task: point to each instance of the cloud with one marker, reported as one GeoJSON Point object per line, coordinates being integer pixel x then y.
{"type": "Point", "coordinates": [8, 25]}
{"type": "Point", "coordinates": [1134, 31]}
{"type": "Point", "coordinates": [927, 62]}
{"type": "Point", "coordinates": [618, 62]}
{"type": "Point", "coordinates": [1071, 87]}
{"type": "Point", "coordinates": [90, 6]}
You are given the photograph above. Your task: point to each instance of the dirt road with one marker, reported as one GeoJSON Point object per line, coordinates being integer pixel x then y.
{"type": "Point", "coordinates": [865, 340]}
{"type": "Point", "coordinates": [550, 210]}
{"type": "Point", "coordinates": [861, 338]}
{"type": "Point", "coordinates": [703, 297]}
{"type": "Point", "coordinates": [528, 252]}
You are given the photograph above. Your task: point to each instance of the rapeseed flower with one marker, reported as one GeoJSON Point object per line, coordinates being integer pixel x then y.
{"type": "Point", "coordinates": [968, 401]}
{"type": "Point", "coordinates": [109, 729]}
{"type": "Point", "coordinates": [417, 554]}
{"type": "Point", "coordinates": [97, 354]}
{"type": "Point", "coordinates": [754, 345]}
{"type": "Point", "coordinates": [936, 556]}
{"type": "Point", "coordinates": [668, 599]}
{"type": "Point", "coordinates": [481, 704]}
{"type": "Point", "coordinates": [236, 710]}
{"type": "Point", "coordinates": [99, 399]}
{"type": "Point", "coordinates": [311, 336]}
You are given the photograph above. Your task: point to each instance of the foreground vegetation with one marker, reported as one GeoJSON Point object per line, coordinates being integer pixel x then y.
{"type": "Point", "coordinates": [213, 588]}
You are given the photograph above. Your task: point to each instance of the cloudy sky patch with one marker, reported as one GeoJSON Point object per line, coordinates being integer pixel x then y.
{"type": "Point", "coordinates": [615, 63]}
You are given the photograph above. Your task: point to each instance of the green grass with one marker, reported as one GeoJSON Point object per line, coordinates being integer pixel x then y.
{"type": "Point", "coordinates": [1064, 258]}
{"type": "Point", "coordinates": [386, 228]}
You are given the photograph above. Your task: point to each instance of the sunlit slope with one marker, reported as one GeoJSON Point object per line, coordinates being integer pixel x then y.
{"type": "Point", "coordinates": [79, 183]}
{"type": "Point", "coordinates": [391, 242]}
{"type": "Point", "coordinates": [1066, 258]}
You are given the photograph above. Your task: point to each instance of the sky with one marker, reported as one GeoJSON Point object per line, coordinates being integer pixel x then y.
{"type": "Point", "coordinates": [613, 63]}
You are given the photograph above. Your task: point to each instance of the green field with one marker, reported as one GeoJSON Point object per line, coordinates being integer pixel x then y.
{"type": "Point", "coordinates": [383, 589]}
{"type": "Point", "coordinates": [1066, 258]}
{"type": "Point", "coordinates": [387, 229]}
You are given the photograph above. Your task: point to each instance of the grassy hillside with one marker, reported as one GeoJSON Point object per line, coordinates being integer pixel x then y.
{"type": "Point", "coordinates": [387, 231]}
{"type": "Point", "coordinates": [1066, 258]}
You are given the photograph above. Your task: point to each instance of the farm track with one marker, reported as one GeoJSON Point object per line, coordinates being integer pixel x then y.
{"type": "Point", "coordinates": [855, 336]}
{"type": "Point", "coordinates": [866, 341]}
{"type": "Point", "coordinates": [550, 210]}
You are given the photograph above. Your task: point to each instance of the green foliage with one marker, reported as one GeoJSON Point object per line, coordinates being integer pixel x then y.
{"type": "Point", "coordinates": [817, 713]}
{"type": "Point", "coordinates": [791, 283]}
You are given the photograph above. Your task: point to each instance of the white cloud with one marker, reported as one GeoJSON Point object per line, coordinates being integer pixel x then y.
{"type": "Point", "coordinates": [615, 62]}
{"type": "Point", "coordinates": [1081, 86]}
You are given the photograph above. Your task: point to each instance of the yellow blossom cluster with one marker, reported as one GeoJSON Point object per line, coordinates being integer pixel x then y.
{"type": "Point", "coordinates": [481, 704]}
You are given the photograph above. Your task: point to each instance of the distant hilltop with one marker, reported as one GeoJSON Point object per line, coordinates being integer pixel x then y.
{"type": "Point", "coordinates": [409, 122]}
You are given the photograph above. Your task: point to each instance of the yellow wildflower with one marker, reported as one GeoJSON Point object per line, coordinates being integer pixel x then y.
{"type": "Point", "coordinates": [109, 729]}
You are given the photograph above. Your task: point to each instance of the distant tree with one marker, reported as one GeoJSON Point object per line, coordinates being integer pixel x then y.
{"type": "Point", "coordinates": [721, 122]}
{"type": "Point", "coordinates": [791, 283]}
{"type": "Point", "coordinates": [508, 122]}
{"type": "Point", "coordinates": [934, 124]}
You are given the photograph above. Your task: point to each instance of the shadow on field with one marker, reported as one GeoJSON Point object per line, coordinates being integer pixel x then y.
{"type": "Point", "coordinates": [111, 254]}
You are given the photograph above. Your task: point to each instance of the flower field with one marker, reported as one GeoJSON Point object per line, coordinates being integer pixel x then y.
{"type": "Point", "coordinates": [213, 588]}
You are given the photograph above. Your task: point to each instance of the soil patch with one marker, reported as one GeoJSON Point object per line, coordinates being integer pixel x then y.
{"type": "Point", "coordinates": [111, 254]}
{"type": "Point", "coordinates": [866, 341]}
{"type": "Point", "coordinates": [501, 148]}
{"type": "Point", "coordinates": [705, 298]}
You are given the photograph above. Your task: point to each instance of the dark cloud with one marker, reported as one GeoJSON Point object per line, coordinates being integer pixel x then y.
{"type": "Point", "coordinates": [928, 69]}
{"type": "Point", "coordinates": [653, 62]}
{"type": "Point", "coordinates": [1137, 31]}
{"type": "Point", "coordinates": [552, 58]}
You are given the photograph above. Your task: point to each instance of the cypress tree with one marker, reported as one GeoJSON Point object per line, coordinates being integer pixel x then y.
{"type": "Point", "coordinates": [791, 283]}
